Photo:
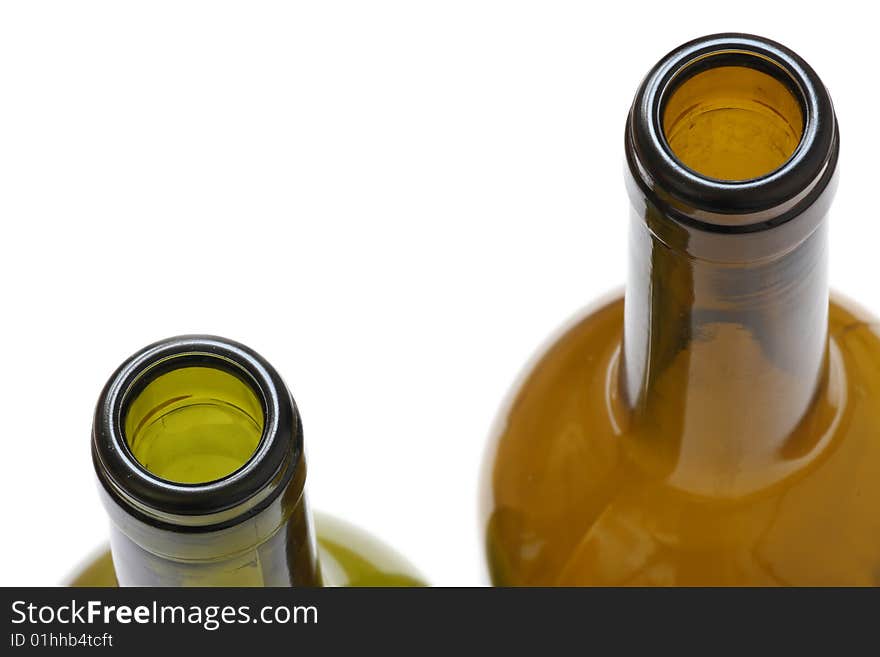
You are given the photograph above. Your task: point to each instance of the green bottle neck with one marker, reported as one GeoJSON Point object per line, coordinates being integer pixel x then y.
{"type": "Point", "coordinates": [198, 449]}
{"type": "Point", "coordinates": [276, 547]}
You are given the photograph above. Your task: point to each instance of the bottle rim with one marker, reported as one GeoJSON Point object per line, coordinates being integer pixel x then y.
{"type": "Point", "coordinates": [732, 206]}
{"type": "Point", "coordinates": [222, 502]}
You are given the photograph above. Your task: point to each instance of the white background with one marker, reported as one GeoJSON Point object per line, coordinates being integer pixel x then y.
{"type": "Point", "coordinates": [394, 202]}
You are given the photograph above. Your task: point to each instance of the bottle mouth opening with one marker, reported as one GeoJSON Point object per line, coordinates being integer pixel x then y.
{"type": "Point", "coordinates": [732, 116]}
{"type": "Point", "coordinates": [732, 133]}
{"type": "Point", "coordinates": [192, 423]}
{"type": "Point", "coordinates": [196, 431]}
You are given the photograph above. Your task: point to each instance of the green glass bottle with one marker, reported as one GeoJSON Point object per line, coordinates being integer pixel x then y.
{"type": "Point", "coordinates": [720, 424]}
{"type": "Point", "coordinates": [198, 448]}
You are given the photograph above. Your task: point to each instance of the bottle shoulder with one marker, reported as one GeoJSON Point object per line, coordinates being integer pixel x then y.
{"type": "Point", "coordinates": [566, 498]}
{"type": "Point", "coordinates": [349, 556]}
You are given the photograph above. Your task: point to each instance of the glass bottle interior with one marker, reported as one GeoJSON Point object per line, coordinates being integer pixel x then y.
{"type": "Point", "coordinates": [194, 425]}
{"type": "Point", "coordinates": [732, 123]}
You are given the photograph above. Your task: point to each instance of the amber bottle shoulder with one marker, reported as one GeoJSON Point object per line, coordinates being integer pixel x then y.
{"type": "Point", "coordinates": [572, 498]}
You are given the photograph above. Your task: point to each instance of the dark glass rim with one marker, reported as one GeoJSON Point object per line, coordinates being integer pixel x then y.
{"type": "Point", "coordinates": [229, 499]}
{"type": "Point", "coordinates": [742, 205]}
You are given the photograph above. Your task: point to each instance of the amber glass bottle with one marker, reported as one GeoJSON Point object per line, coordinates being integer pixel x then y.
{"type": "Point", "coordinates": [198, 449]}
{"type": "Point", "coordinates": [720, 425]}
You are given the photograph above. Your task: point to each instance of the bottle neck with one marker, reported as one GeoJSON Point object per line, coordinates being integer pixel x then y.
{"type": "Point", "coordinates": [275, 547]}
{"type": "Point", "coordinates": [721, 362]}
{"type": "Point", "coordinates": [198, 448]}
{"type": "Point", "coordinates": [726, 373]}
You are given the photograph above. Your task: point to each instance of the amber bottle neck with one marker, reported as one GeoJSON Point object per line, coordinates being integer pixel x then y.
{"type": "Point", "coordinates": [732, 146]}
{"type": "Point", "coordinates": [721, 362]}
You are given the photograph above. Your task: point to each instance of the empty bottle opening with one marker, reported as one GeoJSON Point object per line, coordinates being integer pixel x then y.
{"type": "Point", "coordinates": [194, 425]}
{"type": "Point", "coordinates": [733, 123]}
